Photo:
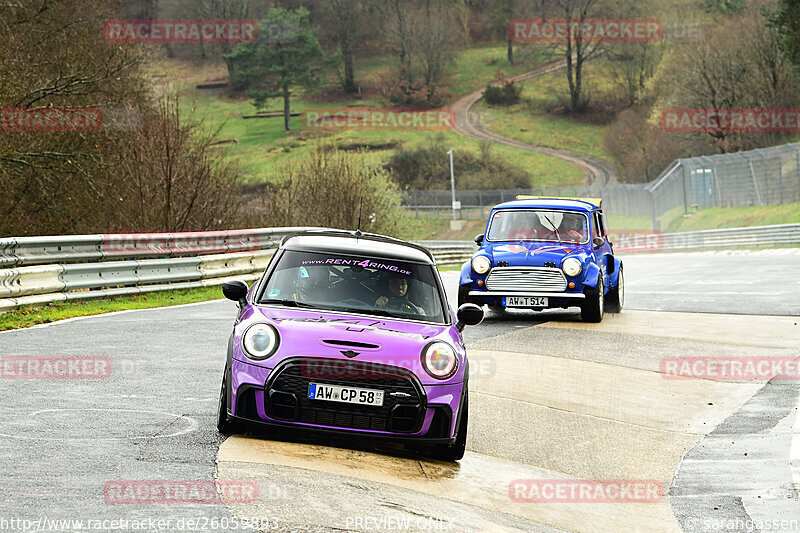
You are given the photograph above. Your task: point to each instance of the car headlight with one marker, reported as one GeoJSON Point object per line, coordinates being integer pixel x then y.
{"type": "Point", "coordinates": [481, 264]}
{"type": "Point", "coordinates": [260, 341]}
{"type": "Point", "coordinates": [439, 360]}
{"type": "Point", "coordinates": [572, 267]}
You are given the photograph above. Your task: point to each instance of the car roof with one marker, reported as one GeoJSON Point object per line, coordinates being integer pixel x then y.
{"type": "Point", "coordinates": [549, 203]}
{"type": "Point", "coordinates": [356, 243]}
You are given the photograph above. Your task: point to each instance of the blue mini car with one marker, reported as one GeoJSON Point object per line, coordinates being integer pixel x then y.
{"type": "Point", "coordinates": [539, 253]}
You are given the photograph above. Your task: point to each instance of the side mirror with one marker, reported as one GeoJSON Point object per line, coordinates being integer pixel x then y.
{"type": "Point", "coordinates": [236, 290]}
{"type": "Point", "coordinates": [469, 315]}
{"type": "Point", "coordinates": [479, 240]}
{"type": "Point", "coordinates": [598, 242]}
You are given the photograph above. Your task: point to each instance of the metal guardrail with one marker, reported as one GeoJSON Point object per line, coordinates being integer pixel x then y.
{"type": "Point", "coordinates": [62, 268]}
{"type": "Point", "coordinates": [758, 236]}
{"type": "Point", "coordinates": [34, 285]}
{"type": "Point", "coordinates": [449, 253]}
{"type": "Point", "coordinates": [87, 248]}
{"type": "Point", "coordinates": [181, 266]}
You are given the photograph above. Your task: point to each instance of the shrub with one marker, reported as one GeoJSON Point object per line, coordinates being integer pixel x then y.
{"type": "Point", "coordinates": [503, 92]}
{"type": "Point", "coordinates": [428, 167]}
{"type": "Point", "coordinates": [325, 189]}
{"type": "Point", "coordinates": [504, 95]}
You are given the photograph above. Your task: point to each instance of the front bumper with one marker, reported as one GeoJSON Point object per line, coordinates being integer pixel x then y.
{"type": "Point", "coordinates": [278, 398]}
{"type": "Point", "coordinates": [555, 299]}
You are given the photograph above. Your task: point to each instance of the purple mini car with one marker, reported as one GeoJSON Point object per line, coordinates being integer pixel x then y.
{"type": "Point", "coordinates": [349, 333]}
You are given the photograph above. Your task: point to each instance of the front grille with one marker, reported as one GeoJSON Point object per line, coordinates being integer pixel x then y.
{"type": "Point", "coordinates": [287, 395]}
{"type": "Point", "coordinates": [526, 279]}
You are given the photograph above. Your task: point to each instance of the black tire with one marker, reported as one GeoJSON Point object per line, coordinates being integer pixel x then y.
{"type": "Point", "coordinates": [225, 425]}
{"type": "Point", "coordinates": [593, 307]}
{"type": "Point", "coordinates": [455, 451]}
{"type": "Point", "coordinates": [616, 295]}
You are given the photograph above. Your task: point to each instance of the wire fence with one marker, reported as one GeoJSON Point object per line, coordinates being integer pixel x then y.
{"type": "Point", "coordinates": [766, 176]}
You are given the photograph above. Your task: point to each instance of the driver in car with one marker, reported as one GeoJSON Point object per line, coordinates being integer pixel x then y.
{"type": "Point", "coordinates": [574, 228]}
{"type": "Point", "coordinates": [398, 297]}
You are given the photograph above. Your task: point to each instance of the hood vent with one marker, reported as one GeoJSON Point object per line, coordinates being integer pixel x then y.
{"type": "Point", "coordinates": [350, 344]}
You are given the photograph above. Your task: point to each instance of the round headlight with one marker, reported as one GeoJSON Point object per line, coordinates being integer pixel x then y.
{"type": "Point", "coordinates": [572, 267]}
{"type": "Point", "coordinates": [481, 264]}
{"type": "Point", "coordinates": [439, 360]}
{"type": "Point", "coordinates": [260, 341]}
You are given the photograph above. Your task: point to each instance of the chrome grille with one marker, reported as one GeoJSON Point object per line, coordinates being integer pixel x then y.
{"type": "Point", "coordinates": [526, 279]}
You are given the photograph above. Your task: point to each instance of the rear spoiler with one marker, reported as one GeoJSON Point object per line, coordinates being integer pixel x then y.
{"type": "Point", "coordinates": [594, 201]}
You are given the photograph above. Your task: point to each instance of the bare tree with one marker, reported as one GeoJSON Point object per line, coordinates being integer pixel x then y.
{"type": "Point", "coordinates": [577, 48]}
{"type": "Point", "coordinates": [151, 174]}
{"type": "Point", "coordinates": [640, 149]}
{"type": "Point", "coordinates": [347, 20]}
{"type": "Point", "coordinates": [169, 178]}
{"type": "Point", "coordinates": [737, 65]}
{"type": "Point", "coordinates": [421, 34]}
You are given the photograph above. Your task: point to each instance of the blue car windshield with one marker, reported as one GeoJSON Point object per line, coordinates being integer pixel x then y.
{"type": "Point", "coordinates": [539, 225]}
{"type": "Point", "coordinates": [341, 282]}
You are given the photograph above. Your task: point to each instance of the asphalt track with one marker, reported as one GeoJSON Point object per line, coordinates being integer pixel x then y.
{"type": "Point", "coordinates": [551, 398]}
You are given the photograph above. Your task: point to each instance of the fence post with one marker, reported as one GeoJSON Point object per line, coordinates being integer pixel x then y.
{"type": "Point", "coordinates": [416, 203]}
{"type": "Point", "coordinates": [797, 159]}
{"type": "Point", "coordinates": [655, 214]}
{"type": "Point", "coordinates": [480, 201]}
{"type": "Point", "coordinates": [766, 177]}
{"type": "Point", "coordinates": [685, 199]}
{"type": "Point", "coordinates": [753, 177]}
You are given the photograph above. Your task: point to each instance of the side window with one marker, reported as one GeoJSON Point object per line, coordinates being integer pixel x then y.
{"type": "Point", "coordinates": [603, 224]}
{"type": "Point", "coordinates": [596, 231]}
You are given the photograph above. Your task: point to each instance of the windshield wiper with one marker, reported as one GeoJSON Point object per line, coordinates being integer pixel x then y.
{"type": "Point", "coordinates": [372, 311]}
{"type": "Point", "coordinates": [553, 226]}
{"type": "Point", "coordinates": [289, 303]}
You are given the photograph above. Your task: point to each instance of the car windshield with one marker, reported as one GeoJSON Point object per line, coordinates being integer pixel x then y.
{"type": "Point", "coordinates": [539, 225]}
{"type": "Point", "coordinates": [359, 284]}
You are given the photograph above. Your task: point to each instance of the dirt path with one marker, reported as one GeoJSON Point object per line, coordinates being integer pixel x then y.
{"type": "Point", "coordinates": [596, 171]}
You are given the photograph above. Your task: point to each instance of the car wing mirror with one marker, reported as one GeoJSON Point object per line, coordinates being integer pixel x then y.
{"type": "Point", "coordinates": [479, 240]}
{"type": "Point", "coordinates": [469, 315]}
{"type": "Point", "coordinates": [236, 290]}
{"type": "Point", "coordinates": [598, 242]}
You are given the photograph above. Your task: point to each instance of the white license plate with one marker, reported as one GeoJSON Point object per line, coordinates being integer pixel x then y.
{"type": "Point", "coordinates": [527, 301]}
{"type": "Point", "coordinates": [338, 393]}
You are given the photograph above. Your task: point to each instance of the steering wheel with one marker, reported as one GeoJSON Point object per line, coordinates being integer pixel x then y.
{"type": "Point", "coordinates": [354, 302]}
{"type": "Point", "coordinates": [402, 304]}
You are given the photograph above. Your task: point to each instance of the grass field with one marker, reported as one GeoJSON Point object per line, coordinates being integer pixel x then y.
{"type": "Point", "coordinates": [734, 217]}
{"type": "Point", "coordinates": [26, 317]}
{"type": "Point", "coordinates": [536, 120]}
{"type": "Point", "coordinates": [263, 149]}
